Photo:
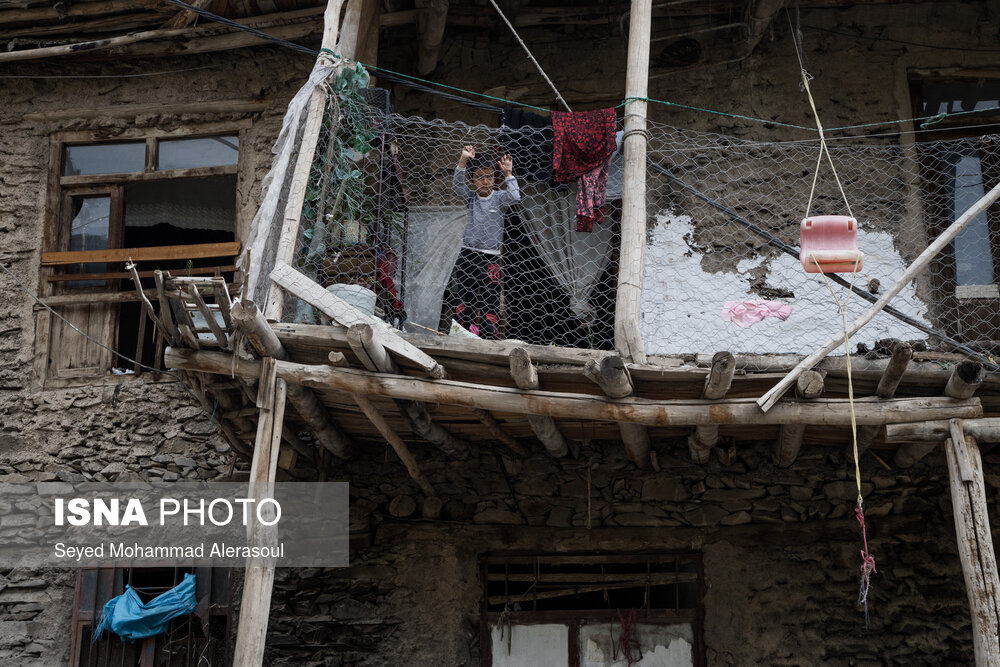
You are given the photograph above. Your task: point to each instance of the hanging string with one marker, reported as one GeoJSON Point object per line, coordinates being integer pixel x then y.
{"type": "Point", "coordinates": [823, 148]}
{"type": "Point", "coordinates": [530, 57]}
{"type": "Point", "coordinates": [867, 560]}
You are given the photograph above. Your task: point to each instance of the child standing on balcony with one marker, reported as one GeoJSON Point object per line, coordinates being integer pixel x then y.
{"type": "Point", "coordinates": [476, 278]}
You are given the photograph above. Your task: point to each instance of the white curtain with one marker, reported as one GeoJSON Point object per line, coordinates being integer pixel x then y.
{"type": "Point", "coordinates": [434, 237]}
{"type": "Point", "coordinates": [575, 259]}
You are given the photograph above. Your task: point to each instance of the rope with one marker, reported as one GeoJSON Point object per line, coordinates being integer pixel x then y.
{"type": "Point", "coordinates": [530, 57]}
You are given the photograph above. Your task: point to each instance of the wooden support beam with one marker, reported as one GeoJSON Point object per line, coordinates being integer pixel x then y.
{"type": "Point", "coordinates": [786, 448]}
{"type": "Point", "coordinates": [497, 432]}
{"type": "Point", "coordinates": [526, 377]}
{"type": "Point", "coordinates": [345, 314]}
{"type": "Point", "coordinates": [155, 253]}
{"type": "Point", "coordinates": [612, 376]}
{"type": "Point", "coordinates": [720, 377]}
{"type": "Point", "coordinates": [940, 243]}
{"type": "Point", "coordinates": [975, 544]}
{"type": "Point", "coordinates": [432, 16]}
{"type": "Point", "coordinates": [368, 348]}
{"type": "Point", "coordinates": [986, 430]}
{"type": "Point", "coordinates": [821, 412]}
{"type": "Point", "coordinates": [965, 379]}
{"type": "Point", "coordinates": [628, 339]}
{"type": "Point", "coordinates": [761, 17]}
{"type": "Point", "coordinates": [376, 418]}
{"type": "Point", "coordinates": [252, 324]}
{"type": "Point", "coordinates": [901, 355]}
{"type": "Point", "coordinates": [255, 608]}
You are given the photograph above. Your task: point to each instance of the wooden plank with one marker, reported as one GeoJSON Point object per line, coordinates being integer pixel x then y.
{"type": "Point", "coordinates": [197, 251]}
{"type": "Point", "coordinates": [136, 177]}
{"type": "Point", "coordinates": [220, 336]}
{"type": "Point", "coordinates": [975, 548]}
{"type": "Point", "coordinates": [942, 241]}
{"type": "Point", "coordinates": [830, 412]}
{"type": "Point", "coordinates": [345, 314]}
{"type": "Point", "coordinates": [117, 275]}
{"type": "Point", "coordinates": [259, 578]}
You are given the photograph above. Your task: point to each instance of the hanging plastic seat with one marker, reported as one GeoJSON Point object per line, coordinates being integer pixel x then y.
{"type": "Point", "coordinates": [829, 244]}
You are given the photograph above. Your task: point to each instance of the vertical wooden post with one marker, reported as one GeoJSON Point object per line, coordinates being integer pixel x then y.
{"type": "Point", "coordinates": [259, 578]}
{"type": "Point", "coordinates": [303, 164]}
{"type": "Point", "coordinates": [964, 381]}
{"type": "Point", "coordinates": [975, 545]}
{"type": "Point", "coordinates": [632, 258]}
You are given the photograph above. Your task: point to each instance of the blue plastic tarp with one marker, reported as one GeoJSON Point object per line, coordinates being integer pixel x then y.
{"type": "Point", "coordinates": [130, 618]}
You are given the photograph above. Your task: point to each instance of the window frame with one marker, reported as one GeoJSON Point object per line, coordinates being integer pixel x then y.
{"type": "Point", "coordinates": [958, 304]}
{"type": "Point", "coordinates": [575, 619]}
{"type": "Point", "coordinates": [55, 228]}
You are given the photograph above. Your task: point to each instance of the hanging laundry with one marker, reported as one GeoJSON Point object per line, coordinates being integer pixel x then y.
{"type": "Point", "coordinates": [747, 313]}
{"type": "Point", "coordinates": [582, 144]}
{"type": "Point", "coordinates": [527, 137]}
{"type": "Point", "coordinates": [130, 618]}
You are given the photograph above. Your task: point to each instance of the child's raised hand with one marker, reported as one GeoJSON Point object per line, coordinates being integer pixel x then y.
{"type": "Point", "coordinates": [468, 152]}
{"type": "Point", "coordinates": [506, 165]}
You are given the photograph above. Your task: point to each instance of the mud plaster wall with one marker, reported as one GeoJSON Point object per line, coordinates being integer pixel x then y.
{"type": "Point", "coordinates": [780, 549]}
{"type": "Point", "coordinates": [132, 426]}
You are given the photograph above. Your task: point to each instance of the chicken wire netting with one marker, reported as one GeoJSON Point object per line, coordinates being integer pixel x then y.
{"type": "Point", "coordinates": [386, 217]}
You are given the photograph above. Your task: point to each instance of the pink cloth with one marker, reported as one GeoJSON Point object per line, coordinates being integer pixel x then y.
{"type": "Point", "coordinates": [747, 313]}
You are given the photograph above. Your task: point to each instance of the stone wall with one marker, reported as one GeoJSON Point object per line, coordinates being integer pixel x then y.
{"type": "Point", "coordinates": [780, 549]}
{"type": "Point", "coordinates": [123, 426]}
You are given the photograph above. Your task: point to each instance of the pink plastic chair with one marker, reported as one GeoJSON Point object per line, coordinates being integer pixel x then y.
{"type": "Point", "coordinates": [829, 243]}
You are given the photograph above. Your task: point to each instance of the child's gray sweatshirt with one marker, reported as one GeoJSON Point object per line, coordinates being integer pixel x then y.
{"type": "Point", "coordinates": [484, 231]}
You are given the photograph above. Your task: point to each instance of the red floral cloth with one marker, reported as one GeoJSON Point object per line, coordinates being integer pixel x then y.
{"type": "Point", "coordinates": [583, 142]}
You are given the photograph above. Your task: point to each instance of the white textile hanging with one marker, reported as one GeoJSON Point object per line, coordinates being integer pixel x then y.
{"type": "Point", "coordinates": [575, 259]}
{"type": "Point", "coordinates": [433, 240]}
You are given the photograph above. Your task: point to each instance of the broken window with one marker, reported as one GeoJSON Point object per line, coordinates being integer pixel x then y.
{"type": "Point", "coordinates": [168, 203]}
{"type": "Point", "coordinates": [199, 639]}
{"type": "Point", "coordinates": [591, 610]}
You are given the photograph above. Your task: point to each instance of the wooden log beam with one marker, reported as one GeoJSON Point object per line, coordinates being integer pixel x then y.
{"type": "Point", "coordinates": [376, 418]}
{"type": "Point", "coordinates": [786, 448]}
{"type": "Point", "coordinates": [975, 544]}
{"type": "Point", "coordinates": [432, 16]}
{"type": "Point", "coordinates": [985, 430]}
{"type": "Point", "coordinates": [369, 349]}
{"type": "Point", "coordinates": [612, 376]}
{"type": "Point", "coordinates": [720, 377]}
{"type": "Point", "coordinates": [761, 17]}
{"type": "Point", "coordinates": [494, 429]}
{"type": "Point", "coordinates": [545, 429]}
{"type": "Point", "coordinates": [249, 320]}
{"type": "Point", "coordinates": [822, 412]}
{"type": "Point", "coordinates": [628, 339]}
{"type": "Point", "coordinates": [962, 384]}
{"type": "Point", "coordinates": [901, 355]}
{"type": "Point", "coordinates": [937, 245]}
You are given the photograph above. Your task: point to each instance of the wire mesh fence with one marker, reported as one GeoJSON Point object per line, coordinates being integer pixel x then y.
{"type": "Point", "coordinates": [394, 226]}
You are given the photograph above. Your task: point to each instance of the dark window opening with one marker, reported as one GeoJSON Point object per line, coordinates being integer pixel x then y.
{"type": "Point", "coordinates": [200, 639]}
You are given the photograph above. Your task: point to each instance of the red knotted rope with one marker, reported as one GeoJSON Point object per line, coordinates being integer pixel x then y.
{"type": "Point", "coordinates": [867, 561]}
